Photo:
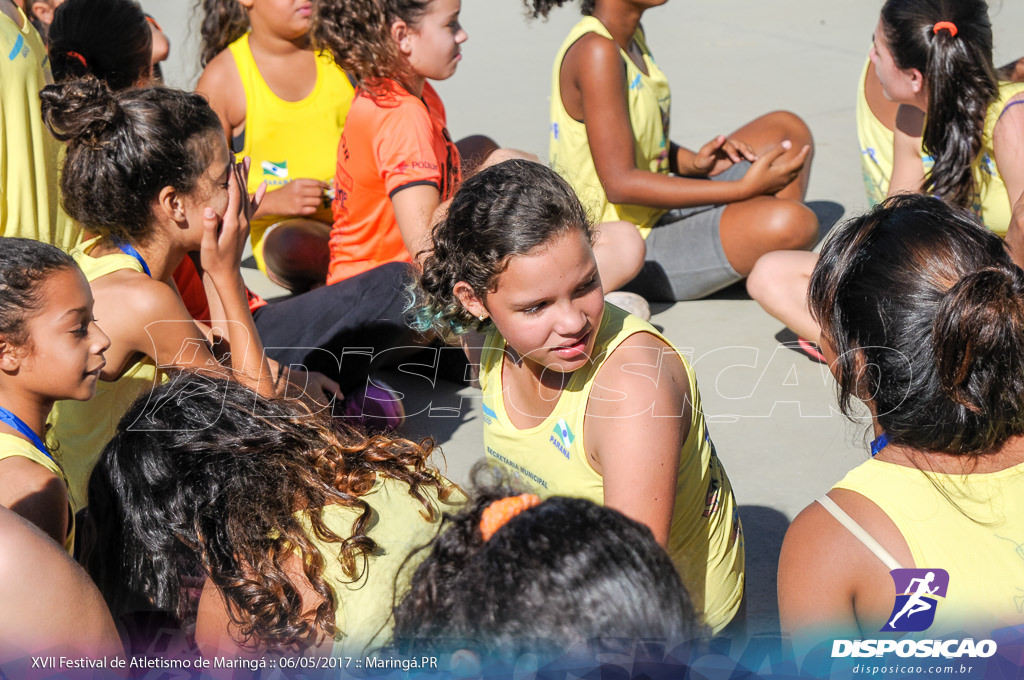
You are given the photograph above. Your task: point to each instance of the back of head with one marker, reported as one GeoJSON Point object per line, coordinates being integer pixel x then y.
{"type": "Point", "coordinates": [541, 8]}
{"type": "Point", "coordinates": [107, 39]}
{"type": "Point", "coordinates": [124, 147]}
{"type": "Point", "coordinates": [925, 311]}
{"type": "Point", "coordinates": [505, 210]}
{"type": "Point", "coordinates": [564, 573]}
{"type": "Point", "coordinates": [24, 265]}
{"type": "Point", "coordinates": [956, 62]}
{"type": "Point", "coordinates": [357, 33]}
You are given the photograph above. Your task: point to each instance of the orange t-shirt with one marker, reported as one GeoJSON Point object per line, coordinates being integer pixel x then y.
{"type": "Point", "coordinates": [390, 142]}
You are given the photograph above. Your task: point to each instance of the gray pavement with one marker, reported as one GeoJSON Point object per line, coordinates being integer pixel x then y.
{"type": "Point", "coordinates": [770, 410]}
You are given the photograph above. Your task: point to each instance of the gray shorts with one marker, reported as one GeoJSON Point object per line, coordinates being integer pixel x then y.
{"type": "Point", "coordinates": [685, 258]}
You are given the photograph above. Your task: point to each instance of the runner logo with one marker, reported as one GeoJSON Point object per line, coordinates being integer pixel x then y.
{"type": "Point", "coordinates": [562, 437]}
{"type": "Point", "coordinates": [917, 591]}
{"type": "Point", "coordinates": [278, 170]}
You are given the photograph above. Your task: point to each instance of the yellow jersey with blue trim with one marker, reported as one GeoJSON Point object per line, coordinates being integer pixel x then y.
{"type": "Point", "coordinates": [290, 140]}
{"type": "Point", "coordinates": [648, 100]}
{"type": "Point", "coordinates": [705, 539]}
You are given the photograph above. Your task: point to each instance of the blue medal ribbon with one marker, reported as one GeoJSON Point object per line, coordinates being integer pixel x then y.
{"type": "Point", "coordinates": [879, 443]}
{"type": "Point", "coordinates": [18, 424]}
{"type": "Point", "coordinates": [129, 249]}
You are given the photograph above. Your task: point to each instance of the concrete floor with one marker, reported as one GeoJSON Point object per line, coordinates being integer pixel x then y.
{"type": "Point", "coordinates": [770, 410]}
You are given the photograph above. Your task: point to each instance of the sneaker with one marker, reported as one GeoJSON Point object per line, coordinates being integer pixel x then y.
{"type": "Point", "coordinates": [630, 302]}
{"type": "Point", "coordinates": [375, 407]}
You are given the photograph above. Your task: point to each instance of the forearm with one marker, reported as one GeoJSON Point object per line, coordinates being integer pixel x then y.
{"type": "Point", "coordinates": [640, 187]}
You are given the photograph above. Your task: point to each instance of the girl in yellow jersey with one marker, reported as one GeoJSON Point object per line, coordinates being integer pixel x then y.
{"type": "Point", "coordinates": [283, 104]}
{"type": "Point", "coordinates": [932, 117]}
{"type": "Point", "coordinates": [933, 305]}
{"type": "Point", "coordinates": [580, 398]}
{"type": "Point", "coordinates": [50, 349]}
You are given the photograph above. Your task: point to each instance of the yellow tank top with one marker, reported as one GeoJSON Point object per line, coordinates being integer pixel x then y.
{"type": "Point", "coordinates": [83, 428]}
{"type": "Point", "coordinates": [705, 540]}
{"type": "Point", "coordinates": [977, 537]}
{"type": "Point", "coordinates": [648, 100]}
{"type": "Point", "coordinates": [399, 524]}
{"type": "Point", "coordinates": [291, 140]}
{"type": "Point", "coordinates": [11, 446]}
{"type": "Point", "coordinates": [991, 203]}
{"type": "Point", "coordinates": [29, 197]}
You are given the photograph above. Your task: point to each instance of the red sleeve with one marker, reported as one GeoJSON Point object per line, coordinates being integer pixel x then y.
{"type": "Point", "coordinates": [404, 148]}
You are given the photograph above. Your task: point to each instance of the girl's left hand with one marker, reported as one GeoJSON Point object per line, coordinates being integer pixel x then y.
{"type": "Point", "coordinates": [719, 149]}
{"type": "Point", "coordinates": [224, 238]}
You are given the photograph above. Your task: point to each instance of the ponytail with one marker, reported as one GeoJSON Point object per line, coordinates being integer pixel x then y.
{"type": "Point", "coordinates": [961, 81]}
{"type": "Point", "coordinates": [224, 22]}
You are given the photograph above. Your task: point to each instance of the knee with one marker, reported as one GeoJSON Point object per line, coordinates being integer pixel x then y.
{"type": "Point", "coordinates": [623, 241]}
{"type": "Point", "coordinates": [792, 128]}
{"type": "Point", "coordinates": [765, 280]}
{"type": "Point", "coordinates": [790, 225]}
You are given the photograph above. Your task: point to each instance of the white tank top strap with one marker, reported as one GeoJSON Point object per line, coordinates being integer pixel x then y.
{"type": "Point", "coordinates": [860, 533]}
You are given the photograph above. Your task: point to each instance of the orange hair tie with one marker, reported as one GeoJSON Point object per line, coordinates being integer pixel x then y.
{"type": "Point", "coordinates": [497, 514]}
{"type": "Point", "coordinates": [948, 25]}
{"type": "Point", "coordinates": [79, 57]}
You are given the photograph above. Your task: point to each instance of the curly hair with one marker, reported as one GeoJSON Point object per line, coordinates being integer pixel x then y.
{"type": "Point", "coordinates": [205, 477]}
{"type": "Point", "coordinates": [541, 8]}
{"type": "Point", "coordinates": [124, 147]}
{"type": "Point", "coordinates": [505, 210]}
{"type": "Point", "coordinates": [564, 572]}
{"type": "Point", "coordinates": [961, 83]}
{"type": "Point", "coordinates": [24, 265]}
{"type": "Point", "coordinates": [108, 39]}
{"type": "Point", "coordinates": [357, 33]}
{"type": "Point", "coordinates": [223, 22]}
{"type": "Point", "coordinates": [925, 311]}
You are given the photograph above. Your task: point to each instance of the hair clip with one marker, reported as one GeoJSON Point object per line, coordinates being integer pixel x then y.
{"type": "Point", "coordinates": [948, 25]}
{"type": "Point", "coordinates": [79, 57]}
{"type": "Point", "coordinates": [497, 514]}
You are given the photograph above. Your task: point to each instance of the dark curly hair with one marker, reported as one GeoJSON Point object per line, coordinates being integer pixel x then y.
{"type": "Point", "coordinates": [24, 265]}
{"type": "Point", "coordinates": [124, 147]}
{"type": "Point", "coordinates": [961, 82]}
{"type": "Point", "coordinates": [357, 33]}
{"type": "Point", "coordinates": [541, 8]}
{"type": "Point", "coordinates": [204, 477]}
{"type": "Point", "coordinates": [502, 211]}
{"type": "Point", "coordinates": [925, 311]}
{"type": "Point", "coordinates": [565, 572]}
{"type": "Point", "coordinates": [108, 39]}
{"type": "Point", "coordinates": [223, 22]}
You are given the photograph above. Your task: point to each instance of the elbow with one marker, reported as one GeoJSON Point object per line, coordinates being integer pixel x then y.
{"type": "Point", "coordinates": [617, 191]}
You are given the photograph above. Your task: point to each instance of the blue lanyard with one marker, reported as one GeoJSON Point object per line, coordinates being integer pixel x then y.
{"type": "Point", "coordinates": [18, 424]}
{"type": "Point", "coordinates": [129, 249]}
{"type": "Point", "coordinates": [879, 443]}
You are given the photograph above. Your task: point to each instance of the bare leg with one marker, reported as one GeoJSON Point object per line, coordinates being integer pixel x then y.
{"type": "Point", "coordinates": [751, 228]}
{"type": "Point", "coordinates": [770, 130]}
{"type": "Point", "coordinates": [620, 251]}
{"type": "Point", "coordinates": [297, 254]}
{"type": "Point", "coordinates": [779, 283]}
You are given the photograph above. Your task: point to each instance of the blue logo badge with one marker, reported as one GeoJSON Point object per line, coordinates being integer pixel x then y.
{"type": "Point", "coordinates": [562, 437]}
{"type": "Point", "coordinates": [917, 593]}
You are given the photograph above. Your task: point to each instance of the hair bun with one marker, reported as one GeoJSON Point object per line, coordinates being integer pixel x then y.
{"type": "Point", "coordinates": [81, 111]}
{"type": "Point", "coordinates": [978, 339]}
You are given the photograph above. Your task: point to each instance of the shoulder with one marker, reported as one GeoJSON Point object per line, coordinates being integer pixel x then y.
{"type": "Point", "coordinates": [1009, 126]}
{"type": "Point", "coordinates": [594, 51]}
{"type": "Point", "coordinates": [221, 83]}
{"type": "Point", "coordinates": [648, 372]}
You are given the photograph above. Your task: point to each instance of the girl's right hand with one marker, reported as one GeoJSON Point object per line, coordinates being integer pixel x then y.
{"type": "Point", "coordinates": [769, 175]}
{"type": "Point", "coordinates": [224, 238]}
{"type": "Point", "coordinates": [299, 197]}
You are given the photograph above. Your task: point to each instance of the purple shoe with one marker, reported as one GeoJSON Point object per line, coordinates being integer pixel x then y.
{"type": "Point", "coordinates": [375, 407]}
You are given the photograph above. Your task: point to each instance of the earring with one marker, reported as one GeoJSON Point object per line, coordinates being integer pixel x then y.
{"type": "Point", "coordinates": [482, 317]}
